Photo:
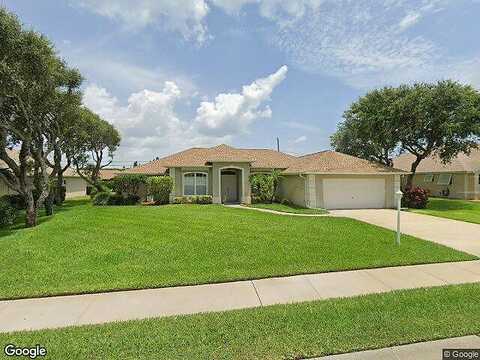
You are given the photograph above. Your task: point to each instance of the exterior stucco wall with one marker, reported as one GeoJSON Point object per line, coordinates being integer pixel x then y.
{"type": "Point", "coordinates": [75, 187]}
{"type": "Point", "coordinates": [292, 188]}
{"type": "Point", "coordinates": [462, 187]}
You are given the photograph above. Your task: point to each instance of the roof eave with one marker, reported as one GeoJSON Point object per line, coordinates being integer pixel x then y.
{"type": "Point", "coordinates": [344, 173]}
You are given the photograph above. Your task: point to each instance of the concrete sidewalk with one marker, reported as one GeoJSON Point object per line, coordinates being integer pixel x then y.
{"type": "Point", "coordinates": [430, 350]}
{"type": "Point", "coordinates": [61, 311]}
{"type": "Point", "coordinates": [456, 234]}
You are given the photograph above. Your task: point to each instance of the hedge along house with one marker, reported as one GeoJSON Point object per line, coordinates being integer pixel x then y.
{"type": "Point", "coordinates": [459, 179]}
{"type": "Point", "coordinates": [322, 180]}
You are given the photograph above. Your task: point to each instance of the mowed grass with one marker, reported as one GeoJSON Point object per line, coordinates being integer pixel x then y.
{"type": "Point", "coordinates": [462, 210]}
{"type": "Point", "coordinates": [276, 332]}
{"type": "Point", "coordinates": [293, 209]}
{"type": "Point", "coordinates": [91, 249]}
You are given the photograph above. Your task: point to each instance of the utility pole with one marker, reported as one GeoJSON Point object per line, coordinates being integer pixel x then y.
{"type": "Point", "coordinates": [278, 144]}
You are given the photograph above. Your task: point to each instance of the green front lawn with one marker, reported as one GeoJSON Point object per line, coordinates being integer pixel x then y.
{"type": "Point", "coordinates": [293, 209]}
{"type": "Point", "coordinates": [90, 249]}
{"type": "Point", "coordinates": [276, 332]}
{"type": "Point", "coordinates": [452, 209]}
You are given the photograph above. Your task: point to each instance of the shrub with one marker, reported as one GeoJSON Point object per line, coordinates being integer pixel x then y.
{"type": "Point", "coordinates": [194, 199]}
{"type": "Point", "coordinates": [128, 184]}
{"type": "Point", "coordinates": [115, 199]}
{"type": "Point", "coordinates": [415, 198]}
{"type": "Point", "coordinates": [286, 202]}
{"type": "Point", "coordinates": [131, 199]}
{"type": "Point", "coordinates": [15, 200]}
{"type": "Point", "coordinates": [8, 213]}
{"type": "Point", "coordinates": [102, 198]}
{"type": "Point", "coordinates": [160, 187]}
{"type": "Point", "coordinates": [263, 187]}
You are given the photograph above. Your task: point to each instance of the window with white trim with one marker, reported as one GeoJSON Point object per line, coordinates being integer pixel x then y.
{"type": "Point", "coordinates": [428, 178]}
{"type": "Point", "coordinates": [444, 179]}
{"type": "Point", "coordinates": [195, 183]}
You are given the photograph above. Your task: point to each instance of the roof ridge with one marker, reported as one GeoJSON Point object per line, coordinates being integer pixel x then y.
{"type": "Point", "coordinates": [316, 153]}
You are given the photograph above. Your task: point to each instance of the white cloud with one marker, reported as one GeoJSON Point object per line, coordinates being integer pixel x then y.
{"type": "Point", "coordinates": [299, 140]}
{"type": "Point", "coordinates": [277, 10]}
{"type": "Point", "coordinates": [363, 42]}
{"type": "Point", "coordinates": [185, 17]}
{"type": "Point", "coordinates": [150, 125]}
{"type": "Point", "coordinates": [409, 20]}
{"type": "Point", "coordinates": [231, 113]}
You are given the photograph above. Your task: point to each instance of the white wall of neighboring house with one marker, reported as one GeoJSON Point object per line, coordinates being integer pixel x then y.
{"type": "Point", "coordinates": [75, 187]}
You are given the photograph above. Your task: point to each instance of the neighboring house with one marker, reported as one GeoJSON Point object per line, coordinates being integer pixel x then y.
{"type": "Point", "coordinates": [322, 180]}
{"type": "Point", "coordinates": [74, 184]}
{"type": "Point", "coordinates": [458, 179]}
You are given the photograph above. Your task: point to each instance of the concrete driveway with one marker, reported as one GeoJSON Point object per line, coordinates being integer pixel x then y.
{"type": "Point", "coordinates": [459, 235]}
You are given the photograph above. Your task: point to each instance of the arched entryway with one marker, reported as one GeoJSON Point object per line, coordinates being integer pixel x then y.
{"type": "Point", "coordinates": [231, 185]}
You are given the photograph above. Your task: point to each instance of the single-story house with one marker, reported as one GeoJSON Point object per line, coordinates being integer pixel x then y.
{"type": "Point", "coordinates": [459, 179]}
{"type": "Point", "coordinates": [325, 179]}
{"type": "Point", "coordinates": [75, 186]}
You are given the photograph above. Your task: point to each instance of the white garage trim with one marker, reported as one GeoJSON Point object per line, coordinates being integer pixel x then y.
{"type": "Point", "coordinates": [349, 193]}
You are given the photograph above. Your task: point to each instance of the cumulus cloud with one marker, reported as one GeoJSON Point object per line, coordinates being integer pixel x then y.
{"type": "Point", "coordinates": [185, 17]}
{"type": "Point", "coordinates": [150, 125]}
{"type": "Point", "coordinates": [234, 112]}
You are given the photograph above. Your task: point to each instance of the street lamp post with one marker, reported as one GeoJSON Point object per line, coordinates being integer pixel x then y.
{"type": "Point", "coordinates": [398, 196]}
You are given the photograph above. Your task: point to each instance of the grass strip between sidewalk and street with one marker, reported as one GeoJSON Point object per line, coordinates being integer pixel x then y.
{"type": "Point", "coordinates": [276, 332]}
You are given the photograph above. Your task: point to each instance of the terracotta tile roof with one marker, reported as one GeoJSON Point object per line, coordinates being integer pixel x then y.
{"type": "Point", "coordinates": [461, 163]}
{"type": "Point", "coordinates": [336, 163]}
{"type": "Point", "coordinates": [259, 158]}
{"type": "Point", "coordinates": [151, 168]}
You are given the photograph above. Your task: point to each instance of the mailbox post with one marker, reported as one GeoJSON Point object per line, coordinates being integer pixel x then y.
{"type": "Point", "coordinates": [398, 196]}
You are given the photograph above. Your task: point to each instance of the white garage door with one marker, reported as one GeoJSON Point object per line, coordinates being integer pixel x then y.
{"type": "Point", "coordinates": [354, 193]}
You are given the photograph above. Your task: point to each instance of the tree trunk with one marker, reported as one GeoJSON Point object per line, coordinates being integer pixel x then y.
{"type": "Point", "coordinates": [59, 189]}
{"type": "Point", "coordinates": [49, 201]}
{"type": "Point", "coordinates": [413, 169]}
{"type": "Point", "coordinates": [31, 217]}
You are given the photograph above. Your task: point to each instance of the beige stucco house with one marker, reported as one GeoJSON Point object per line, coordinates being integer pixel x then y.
{"type": "Point", "coordinates": [326, 179]}
{"type": "Point", "coordinates": [459, 179]}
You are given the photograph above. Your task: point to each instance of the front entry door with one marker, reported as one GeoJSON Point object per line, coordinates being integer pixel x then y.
{"type": "Point", "coordinates": [229, 188]}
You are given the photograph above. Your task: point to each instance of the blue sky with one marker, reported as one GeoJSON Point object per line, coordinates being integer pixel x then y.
{"type": "Point", "coordinates": [173, 74]}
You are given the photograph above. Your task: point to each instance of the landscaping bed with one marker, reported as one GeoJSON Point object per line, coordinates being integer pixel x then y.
{"type": "Point", "coordinates": [277, 332]}
{"type": "Point", "coordinates": [86, 248]}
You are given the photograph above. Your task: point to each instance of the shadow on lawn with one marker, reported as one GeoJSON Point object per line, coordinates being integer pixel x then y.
{"type": "Point", "coordinates": [42, 218]}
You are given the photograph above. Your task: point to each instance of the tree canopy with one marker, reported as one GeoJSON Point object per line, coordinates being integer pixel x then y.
{"type": "Point", "coordinates": [423, 119]}
{"type": "Point", "coordinates": [40, 112]}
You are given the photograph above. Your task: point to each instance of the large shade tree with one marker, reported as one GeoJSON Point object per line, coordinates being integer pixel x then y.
{"type": "Point", "coordinates": [96, 141]}
{"type": "Point", "coordinates": [60, 146]}
{"type": "Point", "coordinates": [422, 119]}
{"type": "Point", "coordinates": [31, 76]}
